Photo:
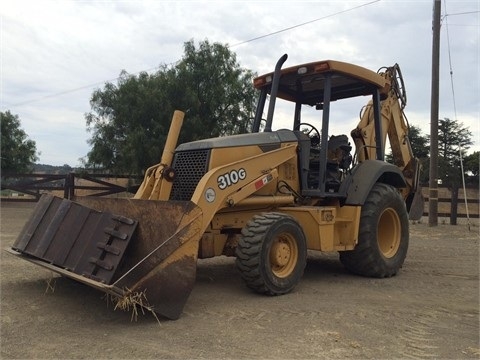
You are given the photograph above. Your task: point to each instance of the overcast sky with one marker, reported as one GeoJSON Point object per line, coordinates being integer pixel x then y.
{"type": "Point", "coordinates": [54, 54]}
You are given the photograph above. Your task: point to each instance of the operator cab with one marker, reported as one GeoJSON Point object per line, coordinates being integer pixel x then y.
{"type": "Point", "coordinates": [325, 160]}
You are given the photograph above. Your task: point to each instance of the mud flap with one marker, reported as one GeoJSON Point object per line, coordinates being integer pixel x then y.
{"type": "Point", "coordinates": [159, 253]}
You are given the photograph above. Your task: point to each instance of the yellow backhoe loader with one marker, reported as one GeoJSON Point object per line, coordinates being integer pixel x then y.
{"type": "Point", "coordinates": [265, 197]}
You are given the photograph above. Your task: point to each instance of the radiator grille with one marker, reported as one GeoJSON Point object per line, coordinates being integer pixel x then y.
{"type": "Point", "coordinates": [190, 166]}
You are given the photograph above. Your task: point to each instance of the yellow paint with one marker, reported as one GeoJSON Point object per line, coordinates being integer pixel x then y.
{"type": "Point", "coordinates": [154, 185]}
{"type": "Point", "coordinates": [327, 228]}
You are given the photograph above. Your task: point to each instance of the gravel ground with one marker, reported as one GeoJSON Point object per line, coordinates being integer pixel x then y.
{"type": "Point", "coordinates": [429, 310]}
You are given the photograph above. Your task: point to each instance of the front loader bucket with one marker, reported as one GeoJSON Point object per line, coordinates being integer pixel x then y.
{"type": "Point", "coordinates": [124, 247]}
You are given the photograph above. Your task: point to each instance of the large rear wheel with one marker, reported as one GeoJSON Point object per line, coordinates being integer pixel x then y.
{"type": "Point", "coordinates": [383, 235]}
{"type": "Point", "coordinates": [272, 253]}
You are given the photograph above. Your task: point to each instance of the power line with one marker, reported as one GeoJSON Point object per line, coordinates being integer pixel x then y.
{"type": "Point", "coordinates": [450, 64]}
{"type": "Point", "coordinates": [59, 93]}
{"type": "Point", "coordinates": [76, 89]}
{"type": "Point", "coordinates": [465, 25]}
{"type": "Point", "coordinates": [303, 24]}
{"type": "Point", "coordinates": [455, 107]}
{"type": "Point", "coordinates": [463, 13]}
{"type": "Point", "coordinates": [231, 46]}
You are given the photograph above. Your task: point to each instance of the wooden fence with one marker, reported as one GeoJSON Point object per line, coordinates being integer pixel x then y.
{"type": "Point", "coordinates": [29, 187]}
{"type": "Point", "coordinates": [445, 199]}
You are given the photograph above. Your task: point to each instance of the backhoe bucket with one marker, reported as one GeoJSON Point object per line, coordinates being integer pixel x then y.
{"type": "Point", "coordinates": [142, 252]}
{"type": "Point", "coordinates": [416, 205]}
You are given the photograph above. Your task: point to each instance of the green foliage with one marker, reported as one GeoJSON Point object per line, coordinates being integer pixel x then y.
{"type": "Point", "coordinates": [471, 165]}
{"type": "Point", "coordinates": [52, 169]}
{"type": "Point", "coordinates": [220, 93]}
{"type": "Point", "coordinates": [418, 142]}
{"type": "Point", "coordinates": [453, 138]}
{"type": "Point", "coordinates": [127, 123]}
{"type": "Point", "coordinates": [420, 145]}
{"type": "Point", "coordinates": [421, 149]}
{"type": "Point", "coordinates": [17, 150]}
{"type": "Point", "coordinates": [129, 120]}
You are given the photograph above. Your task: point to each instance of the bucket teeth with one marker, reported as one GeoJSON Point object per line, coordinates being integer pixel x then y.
{"type": "Point", "coordinates": [123, 219]}
{"type": "Point", "coordinates": [109, 248]}
{"type": "Point", "coordinates": [101, 263]}
{"type": "Point", "coordinates": [115, 233]}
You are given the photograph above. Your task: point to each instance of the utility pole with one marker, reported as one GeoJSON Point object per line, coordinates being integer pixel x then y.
{"type": "Point", "coordinates": [433, 180]}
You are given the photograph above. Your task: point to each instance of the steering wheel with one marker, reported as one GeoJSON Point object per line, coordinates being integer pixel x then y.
{"type": "Point", "coordinates": [315, 137]}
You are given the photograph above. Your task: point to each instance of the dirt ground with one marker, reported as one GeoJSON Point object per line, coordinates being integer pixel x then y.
{"type": "Point", "coordinates": [429, 310]}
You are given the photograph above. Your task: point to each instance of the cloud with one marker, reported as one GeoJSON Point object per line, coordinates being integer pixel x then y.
{"type": "Point", "coordinates": [55, 54]}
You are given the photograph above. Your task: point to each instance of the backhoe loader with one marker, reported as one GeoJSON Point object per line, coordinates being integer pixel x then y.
{"type": "Point", "coordinates": [265, 197]}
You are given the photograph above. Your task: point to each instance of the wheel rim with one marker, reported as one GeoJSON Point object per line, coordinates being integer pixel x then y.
{"type": "Point", "coordinates": [389, 233]}
{"type": "Point", "coordinates": [283, 255]}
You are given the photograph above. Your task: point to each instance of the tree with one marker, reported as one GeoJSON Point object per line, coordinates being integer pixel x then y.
{"type": "Point", "coordinates": [18, 152]}
{"type": "Point", "coordinates": [129, 120]}
{"type": "Point", "coordinates": [421, 149]}
{"type": "Point", "coordinates": [221, 94]}
{"type": "Point", "coordinates": [471, 164]}
{"type": "Point", "coordinates": [453, 141]}
{"type": "Point", "coordinates": [420, 145]}
{"type": "Point", "coordinates": [453, 138]}
{"type": "Point", "coordinates": [128, 123]}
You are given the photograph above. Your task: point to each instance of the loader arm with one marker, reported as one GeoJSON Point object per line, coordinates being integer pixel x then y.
{"type": "Point", "coordinates": [215, 191]}
{"type": "Point", "coordinates": [153, 186]}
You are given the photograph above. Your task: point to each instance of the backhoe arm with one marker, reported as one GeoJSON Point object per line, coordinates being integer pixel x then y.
{"type": "Point", "coordinates": [394, 125]}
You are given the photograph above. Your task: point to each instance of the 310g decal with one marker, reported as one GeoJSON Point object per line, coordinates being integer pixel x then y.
{"type": "Point", "coordinates": [231, 178]}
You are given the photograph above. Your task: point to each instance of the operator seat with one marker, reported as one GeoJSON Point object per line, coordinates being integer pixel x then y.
{"type": "Point", "coordinates": [339, 151]}
{"type": "Point", "coordinates": [339, 160]}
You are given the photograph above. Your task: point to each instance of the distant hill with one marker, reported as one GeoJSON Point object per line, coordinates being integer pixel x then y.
{"type": "Point", "coordinates": [51, 169]}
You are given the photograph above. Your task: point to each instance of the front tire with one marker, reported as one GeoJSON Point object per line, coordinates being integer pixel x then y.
{"type": "Point", "coordinates": [272, 253]}
{"type": "Point", "coordinates": [383, 235]}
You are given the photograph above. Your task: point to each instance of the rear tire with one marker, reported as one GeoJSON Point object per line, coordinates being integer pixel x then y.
{"type": "Point", "coordinates": [383, 235]}
{"type": "Point", "coordinates": [272, 253]}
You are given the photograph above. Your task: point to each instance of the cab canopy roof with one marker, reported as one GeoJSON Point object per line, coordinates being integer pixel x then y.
{"type": "Point", "coordinates": [306, 83]}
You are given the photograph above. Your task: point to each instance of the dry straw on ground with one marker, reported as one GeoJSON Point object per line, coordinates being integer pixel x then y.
{"type": "Point", "coordinates": [133, 301]}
